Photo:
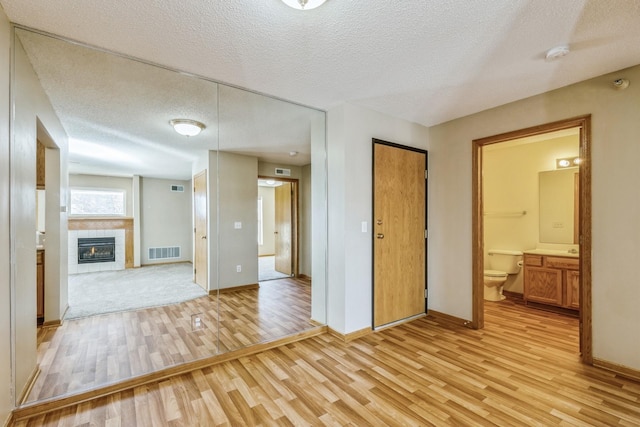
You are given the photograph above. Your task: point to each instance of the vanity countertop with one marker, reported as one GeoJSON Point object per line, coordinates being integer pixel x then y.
{"type": "Point", "coordinates": [552, 252]}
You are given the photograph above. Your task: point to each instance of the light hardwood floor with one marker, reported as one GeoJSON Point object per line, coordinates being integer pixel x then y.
{"type": "Point", "coordinates": [521, 370]}
{"type": "Point", "coordinates": [91, 352]}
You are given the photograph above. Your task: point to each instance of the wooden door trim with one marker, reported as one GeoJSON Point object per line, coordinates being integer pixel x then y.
{"type": "Point", "coordinates": [295, 218]}
{"type": "Point", "coordinates": [584, 123]}
{"type": "Point", "coordinates": [375, 141]}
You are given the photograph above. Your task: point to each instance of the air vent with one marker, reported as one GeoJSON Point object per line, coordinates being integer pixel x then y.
{"type": "Point", "coordinates": [283, 172]}
{"type": "Point", "coordinates": [164, 253]}
{"type": "Point", "coordinates": [177, 188]}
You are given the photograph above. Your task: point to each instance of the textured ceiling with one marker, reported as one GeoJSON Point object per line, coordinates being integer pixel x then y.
{"type": "Point", "coordinates": [427, 61]}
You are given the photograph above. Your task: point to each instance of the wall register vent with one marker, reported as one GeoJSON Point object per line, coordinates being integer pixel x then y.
{"type": "Point", "coordinates": [164, 253]}
{"type": "Point", "coordinates": [283, 172]}
{"type": "Point", "coordinates": [177, 188]}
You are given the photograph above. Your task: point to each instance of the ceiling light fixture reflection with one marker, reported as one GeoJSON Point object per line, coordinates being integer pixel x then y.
{"type": "Point", "coordinates": [187, 127]}
{"type": "Point", "coordinates": [304, 4]}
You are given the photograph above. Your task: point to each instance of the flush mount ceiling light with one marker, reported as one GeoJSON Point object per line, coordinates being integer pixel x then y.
{"type": "Point", "coordinates": [304, 4]}
{"type": "Point", "coordinates": [293, 153]}
{"type": "Point", "coordinates": [187, 127]}
{"type": "Point", "coordinates": [557, 52]}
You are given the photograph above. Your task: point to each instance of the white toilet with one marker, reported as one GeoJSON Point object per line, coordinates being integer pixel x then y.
{"type": "Point", "coordinates": [502, 263]}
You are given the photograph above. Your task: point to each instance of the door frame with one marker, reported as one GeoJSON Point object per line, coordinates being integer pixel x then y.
{"type": "Point", "coordinates": [295, 219]}
{"type": "Point", "coordinates": [375, 141]}
{"type": "Point", "coordinates": [198, 175]}
{"type": "Point", "coordinates": [584, 224]}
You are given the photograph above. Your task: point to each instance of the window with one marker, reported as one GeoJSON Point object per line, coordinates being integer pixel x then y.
{"type": "Point", "coordinates": [108, 202]}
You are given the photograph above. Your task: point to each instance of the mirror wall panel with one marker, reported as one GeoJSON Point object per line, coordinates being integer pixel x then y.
{"type": "Point", "coordinates": [266, 204]}
{"type": "Point", "coordinates": [192, 203]}
{"type": "Point", "coordinates": [131, 315]}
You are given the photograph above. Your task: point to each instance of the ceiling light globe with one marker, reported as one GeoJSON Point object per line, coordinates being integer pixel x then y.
{"type": "Point", "coordinates": [304, 4]}
{"type": "Point", "coordinates": [187, 127]}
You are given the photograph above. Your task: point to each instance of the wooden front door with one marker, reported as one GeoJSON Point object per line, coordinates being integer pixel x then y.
{"type": "Point", "coordinates": [200, 229]}
{"type": "Point", "coordinates": [399, 224]}
{"type": "Point", "coordinates": [283, 228]}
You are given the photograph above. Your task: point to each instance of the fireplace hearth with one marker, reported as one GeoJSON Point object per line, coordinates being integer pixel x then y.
{"type": "Point", "coordinates": [96, 249]}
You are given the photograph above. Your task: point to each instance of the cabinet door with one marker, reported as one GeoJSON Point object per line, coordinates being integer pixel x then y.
{"type": "Point", "coordinates": [573, 289]}
{"type": "Point", "coordinates": [543, 285]}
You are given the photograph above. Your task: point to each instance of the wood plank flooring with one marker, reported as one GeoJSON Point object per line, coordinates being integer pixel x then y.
{"type": "Point", "coordinates": [92, 352]}
{"type": "Point", "coordinates": [521, 370]}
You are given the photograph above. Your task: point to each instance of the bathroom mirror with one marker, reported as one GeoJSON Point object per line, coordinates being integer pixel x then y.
{"type": "Point", "coordinates": [558, 206]}
{"type": "Point", "coordinates": [116, 112]}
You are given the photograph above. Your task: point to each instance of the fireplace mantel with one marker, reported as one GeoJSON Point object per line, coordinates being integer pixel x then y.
{"type": "Point", "coordinates": [108, 223]}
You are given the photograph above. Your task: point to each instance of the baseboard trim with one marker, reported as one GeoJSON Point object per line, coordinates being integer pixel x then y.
{"type": "Point", "coordinates": [9, 421]}
{"type": "Point", "coordinates": [623, 371]}
{"type": "Point", "coordinates": [30, 382]}
{"type": "Point", "coordinates": [31, 410]}
{"type": "Point", "coordinates": [351, 335]}
{"type": "Point", "coordinates": [250, 287]}
{"type": "Point", "coordinates": [57, 322]}
{"type": "Point", "coordinates": [304, 277]}
{"type": "Point", "coordinates": [514, 296]}
{"type": "Point", "coordinates": [449, 318]}
{"type": "Point", "coordinates": [52, 324]}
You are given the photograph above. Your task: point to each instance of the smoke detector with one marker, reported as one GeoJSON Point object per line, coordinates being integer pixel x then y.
{"type": "Point", "coordinates": [620, 84]}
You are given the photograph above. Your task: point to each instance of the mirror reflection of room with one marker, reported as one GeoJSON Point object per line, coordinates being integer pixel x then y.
{"type": "Point", "coordinates": [530, 197]}
{"type": "Point", "coordinates": [137, 260]}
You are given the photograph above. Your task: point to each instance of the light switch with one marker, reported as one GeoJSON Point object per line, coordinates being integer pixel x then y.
{"type": "Point", "coordinates": [237, 225]}
{"type": "Point", "coordinates": [364, 226]}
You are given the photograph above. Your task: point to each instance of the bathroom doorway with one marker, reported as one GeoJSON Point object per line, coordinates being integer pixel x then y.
{"type": "Point", "coordinates": [581, 262]}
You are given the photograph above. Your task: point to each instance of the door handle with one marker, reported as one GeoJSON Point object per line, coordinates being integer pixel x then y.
{"type": "Point", "coordinates": [203, 237]}
{"type": "Point", "coordinates": [380, 236]}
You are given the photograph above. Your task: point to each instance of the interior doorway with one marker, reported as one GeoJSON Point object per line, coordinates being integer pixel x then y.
{"type": "Point", "coordinates": [278, 224]}
{"type": "Point", "coordinates": [581, 282]}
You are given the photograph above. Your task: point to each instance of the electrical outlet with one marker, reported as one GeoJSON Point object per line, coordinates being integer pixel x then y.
{"type": "Point", "coordinates": [238, 269]}
{"type": "Point", "coordinates": [196, 322]}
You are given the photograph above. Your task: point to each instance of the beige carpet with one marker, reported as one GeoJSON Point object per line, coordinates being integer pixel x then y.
{"type": "Point", "coordinates": [91, 294]}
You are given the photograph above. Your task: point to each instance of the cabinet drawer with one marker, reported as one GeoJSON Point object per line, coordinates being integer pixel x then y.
{"type": "Point", "coordinates": [533, 260]}
{"type": "Point", "coordinates": [561, 262]}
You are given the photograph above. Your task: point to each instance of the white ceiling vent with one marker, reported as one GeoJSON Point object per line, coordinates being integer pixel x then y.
{"type": "Point", "coordinates": [283, 172]}
{"type": "Point", "coordinates": [177, 188]}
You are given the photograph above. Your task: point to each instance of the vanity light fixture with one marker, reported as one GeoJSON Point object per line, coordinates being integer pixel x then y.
{"type": "Point", "coordinates": [567, 162]}
{"type": "Point", "coordinates": [187, 127]}
{"type": "Point", "coordinates": [304, 4]}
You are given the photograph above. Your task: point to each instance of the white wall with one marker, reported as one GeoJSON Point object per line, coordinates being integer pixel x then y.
{"type": "Point", "coordinates": [6, 379]}
{"type": "Point", "coordinates": [305, 222]}
{"type": "Point", "coordinates": [510, 179]}
{"type": "Point", "coordinates": [165, 218]}
{"type": "Point", "coordinates": [268, 246]}
{"type": "Point", "coordinates": [106, 182]}
{"type": "Point", "coordinates": [615, 209]}
{"type": "Point", "coordinates": [238, 199]}
{"type": "Point", "coordinates": [31, 106]}
{"type": "Point", "coordinates": [350, 133]}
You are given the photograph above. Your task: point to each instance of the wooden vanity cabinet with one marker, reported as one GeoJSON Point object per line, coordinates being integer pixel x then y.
{"type": "Point", "coordinates": [40, 286]}
{"type": "Point", "coordinates": [552, 280]}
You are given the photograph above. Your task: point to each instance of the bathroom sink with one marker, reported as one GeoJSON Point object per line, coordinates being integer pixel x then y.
{"type": "Point", "coordinates": [574, 253]}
